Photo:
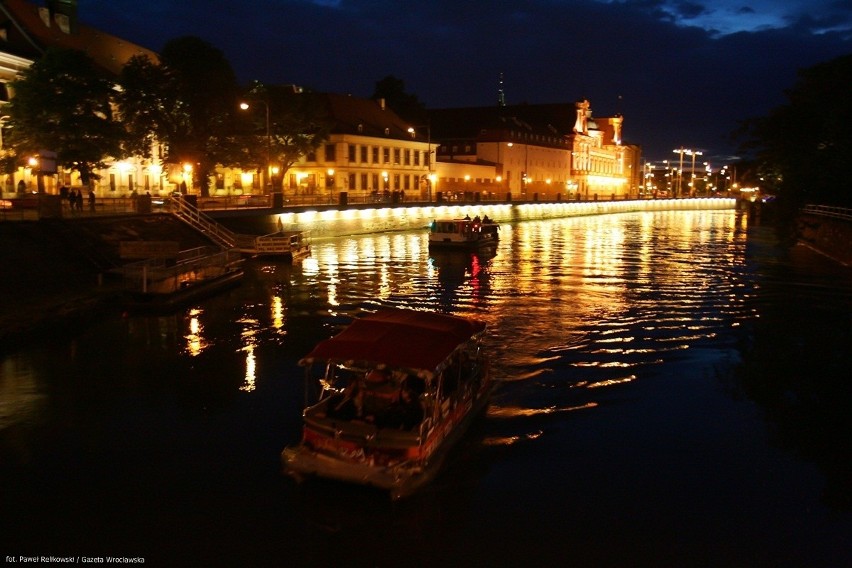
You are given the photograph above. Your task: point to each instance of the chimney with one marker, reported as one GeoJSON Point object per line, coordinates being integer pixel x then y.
{"type": "Point", "coordinates": [64, 13]}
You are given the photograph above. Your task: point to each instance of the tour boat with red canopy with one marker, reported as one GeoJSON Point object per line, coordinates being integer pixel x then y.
{"type": "Point", "coordinates": [396, 390]}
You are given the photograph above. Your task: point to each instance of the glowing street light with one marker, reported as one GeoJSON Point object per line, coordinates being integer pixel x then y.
{"type": "Point", "coordinates": [413, 131]}
{"type": "Point", "coordinates": [246, 106]}
{"type": "Point", "coordinates": [688, 152]}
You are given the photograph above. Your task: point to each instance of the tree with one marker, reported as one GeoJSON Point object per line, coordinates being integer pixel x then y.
{"type": "Point", "coordinates": [187, 101]}
{"type": "Point", "coordinates": [298, 124]}
{"type": "Point", "coordinates": [806, 142]}
{"type": "Point", "coordinates": [63, 103]}
{"type": "Point", "coordinates": [405, 105]}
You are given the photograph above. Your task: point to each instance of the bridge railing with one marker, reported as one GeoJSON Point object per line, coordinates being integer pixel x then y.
{"type": "Point", "coordinates": [828, 211]}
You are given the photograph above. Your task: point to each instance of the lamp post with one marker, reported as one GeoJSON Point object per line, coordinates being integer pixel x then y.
{"type": "Point", "coordinates": [266, 181]}
{"type": "Point", "coordinates": [413, 131]}
{"type": "Point", "coordinates": [680, 151]}
{"type": "Point", "coordinates": [694, 153]}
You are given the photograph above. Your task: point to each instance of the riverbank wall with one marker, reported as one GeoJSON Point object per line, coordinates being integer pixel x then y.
{"type": "Point", "coordinates": [332, 221]}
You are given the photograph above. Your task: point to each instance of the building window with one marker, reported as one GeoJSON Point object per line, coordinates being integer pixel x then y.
{"type": "Point", "coordinates": [375, 155]}
{"type": "Point", "coordinates": [416, 158]}
{"type": "Point", "coordinates": [330, 153]}
{"type": "Point", "coordinates": [352, 180]}
{"type": "Point", "coordinates": [363, 181]}
{"type": "Point", "coordinates": [363, 154]}
{"type": "Point", "coordinates": [375, 182]}
{"type": "Point", "coordinates": [386, 155]}
{"type": "Point", "coordinates": [353, 153]}
{"type": "Point", "coordinates": [396, 154]}
{"type": "Point", "coordinates": [408, 157]}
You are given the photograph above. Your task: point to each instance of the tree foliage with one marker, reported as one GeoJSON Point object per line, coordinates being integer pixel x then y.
{"type": "Point", "coordinates": [298, 124]}
{"type": "Point", "coordinates": [63, 103]}
{"type": "Point", "coordinates": [406, 105]}
{"type": "Point", "coordinates": [806, 143]}
{"type": "Point", "coordinates": [187, 101]}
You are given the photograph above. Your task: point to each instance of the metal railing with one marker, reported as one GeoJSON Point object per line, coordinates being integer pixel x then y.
{"type": "Point", "coordinates": [191, 215]}
{"type": "Point", "coordinates": [828, 211]}
{"type": "Point", "coordinates": [190, 266]}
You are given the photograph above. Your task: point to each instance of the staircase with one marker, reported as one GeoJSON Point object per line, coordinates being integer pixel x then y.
{"type": "Point", "coordinates": [191, 215]}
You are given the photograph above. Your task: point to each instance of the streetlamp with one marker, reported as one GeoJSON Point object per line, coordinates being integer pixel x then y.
{"type": "Point", "coordinates": [688, 152]}
{"type": "Point", "coordinates": [246, 106]}
{"type": "Point", "coordinates": [680, 151]}
{"type": "Point", "coordinates": [413, 131]}
{"type": "Point", "coordinates": [693, 153]}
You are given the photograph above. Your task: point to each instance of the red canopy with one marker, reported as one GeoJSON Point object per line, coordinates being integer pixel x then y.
{"type": "Point", "coordinates": [399, 338]}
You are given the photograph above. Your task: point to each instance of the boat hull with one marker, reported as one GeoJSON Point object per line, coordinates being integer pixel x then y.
{"type": "Point", "coordinates": [400, 481]}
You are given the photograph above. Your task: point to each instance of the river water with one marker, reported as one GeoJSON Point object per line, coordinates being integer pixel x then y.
{"type": "Point", "coordinates": [674, 393]}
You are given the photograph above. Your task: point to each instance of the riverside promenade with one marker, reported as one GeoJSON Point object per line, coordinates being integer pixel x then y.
{"type": "Point", "coordinates": [53, 269]}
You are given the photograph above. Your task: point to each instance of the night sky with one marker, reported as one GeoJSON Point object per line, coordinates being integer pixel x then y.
{"type": "Point", "coordinates": [682, 73]}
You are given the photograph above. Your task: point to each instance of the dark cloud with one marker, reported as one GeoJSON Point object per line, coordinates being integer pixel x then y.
{"type": "Point", "coordinates": [676, 84]}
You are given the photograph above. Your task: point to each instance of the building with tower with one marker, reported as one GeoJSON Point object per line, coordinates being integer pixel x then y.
{"type": "Point", "coordinates": [534, 151]}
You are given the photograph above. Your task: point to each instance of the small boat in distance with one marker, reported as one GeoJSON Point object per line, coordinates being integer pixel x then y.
{"type": "Point", "coordinates": [396, 390]}
{"type": "Point", "coordinates": [464, 233]}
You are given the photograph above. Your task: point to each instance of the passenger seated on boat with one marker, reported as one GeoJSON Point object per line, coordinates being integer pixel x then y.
{"type": "Point", "coordinates": [404, 414]}
{"type": "Point", "coordinates": [381, 391]}
{"type": "Point", "coordinates": [486, 219]}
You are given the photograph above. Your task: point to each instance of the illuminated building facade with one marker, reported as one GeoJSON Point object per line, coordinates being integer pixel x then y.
{"type": "Point", "coordinates": [26, 31]}
{"type": "Point", "coordinates": [547, 152]}
{"type": "Point", "coordinates": [370, 154]}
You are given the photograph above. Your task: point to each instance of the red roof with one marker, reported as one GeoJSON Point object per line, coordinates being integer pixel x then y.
{"type": "Point", "coordinates": [399, 338]}
{"type": "Point", "coordinates": [108, 51]}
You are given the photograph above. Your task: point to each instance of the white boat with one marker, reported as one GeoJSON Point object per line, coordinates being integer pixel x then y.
{"type": "Point", "coordinates": [396, 390]}
{"type": "Point", "coordinates": [463, 233]}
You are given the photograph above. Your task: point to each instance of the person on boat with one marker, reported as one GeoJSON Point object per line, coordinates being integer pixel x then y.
{"type": "Point", "coordinates": [486, 220]}
{"type": "Point", "coordinates": [381, 391]}
{"type": "Point", "coordinates": [477, 220]}
{"type": "Point", "coordinates": [404, 414]}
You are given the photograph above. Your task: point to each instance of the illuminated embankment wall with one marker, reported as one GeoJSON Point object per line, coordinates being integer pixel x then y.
{"type": "Point", "coordinates": [335, 222]}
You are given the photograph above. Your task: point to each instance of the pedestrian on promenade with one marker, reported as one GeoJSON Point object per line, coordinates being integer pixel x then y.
{"type": "Point", "coordinates": [79, 200]}
{"type": "Point", "coordinates": [72, 200]}
{"type": "Point", "coordinates": [91, 200]}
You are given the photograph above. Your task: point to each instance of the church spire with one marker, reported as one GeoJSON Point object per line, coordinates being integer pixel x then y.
{"type": "Point", "coordinates": [501, 96]}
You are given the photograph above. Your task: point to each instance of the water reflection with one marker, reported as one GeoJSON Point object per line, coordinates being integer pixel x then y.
{"type": "Point", "coordinates": [611, 336]}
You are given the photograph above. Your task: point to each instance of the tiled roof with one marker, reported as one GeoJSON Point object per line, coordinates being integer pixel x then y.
{"type": "Point", "coordinates": [28, 36]}
{"type": "Point", "coordinates": [354, 115]}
